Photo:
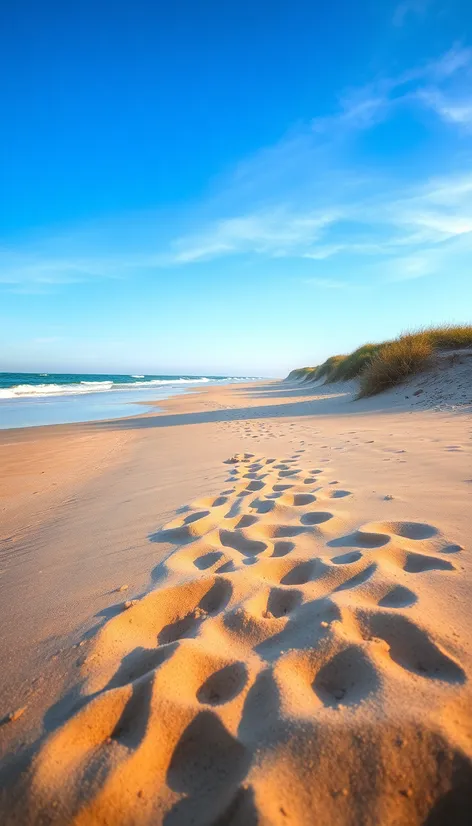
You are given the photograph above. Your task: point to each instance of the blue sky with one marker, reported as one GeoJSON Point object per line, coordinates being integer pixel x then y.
{"type": "Point", "coordinates": [237, 187]}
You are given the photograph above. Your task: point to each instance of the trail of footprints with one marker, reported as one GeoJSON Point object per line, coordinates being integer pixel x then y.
{"type": "Point", "coordinates": [268, 607]}
{"type": "Point", "coordinates": [261, 429]}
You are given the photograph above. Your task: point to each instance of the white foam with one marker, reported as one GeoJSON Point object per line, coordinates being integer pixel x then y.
{"type": "Point", "coordinates": [29, 390]}
{"type": "Point", "coordinates": [38, 390]}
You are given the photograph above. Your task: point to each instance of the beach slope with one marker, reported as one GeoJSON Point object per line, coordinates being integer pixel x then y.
{"type": "Point", "coordinates": [291, 643]}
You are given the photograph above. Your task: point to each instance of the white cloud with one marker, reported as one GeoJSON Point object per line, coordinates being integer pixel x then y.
{"type": "Point", "coordinates": [326, 283]}
{"type": "Point", "coordinates": [273, 233]}
{"type": "Point", "coordinates": [457, 112]}
{"type": "Point", "coordinates": [454, 60]}
{"type": "Point", "coordinates": [408, 268]}
{"type": "Point", "coordinates": [303, 197]}
{"type": "Point", "coordinates": [322, 252]}
{"type": "Point", "coordinates": [434, 213]}
{"type": "Point", "coordinates": [409, 8]}
{"type": "Point", "coordinates": [363, 107]}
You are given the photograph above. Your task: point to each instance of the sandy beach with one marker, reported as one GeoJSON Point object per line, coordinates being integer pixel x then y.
{"type": "Point", "coordinates": [252, 606]}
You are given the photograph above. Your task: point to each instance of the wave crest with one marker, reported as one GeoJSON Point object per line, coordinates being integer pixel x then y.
{"type": "Point", "coordinates": [73, 389]}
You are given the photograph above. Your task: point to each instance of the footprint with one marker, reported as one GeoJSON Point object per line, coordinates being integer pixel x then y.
{"type": "Point", "coordinates": [358, 579]}
{"type": "Point", "coordinates": [217, 597]}
{"type": "Point", "coordinates": [347, 559]}
{"type": "Point", "coordinates": [337, 494]}
{"type": "Point", "coordinates": [303, 572]}
{"type": "Point", "coordinates": [282, 601]}
{"type": "Point", "coordinates": [207, 762]}
{"type": "Point", "coordinates": [262, 505]}
{"type": "Point", "coordinates": [239, 542]}
{"type": "Point", "coordinates": [360, 539]}
{"type": "Point", "coordinates": [398, 597]}
{"type": "Point", "coordinates": [348, 678]}
{"type": "Point", "coordinates": [280, 609]}
{"type": "Point", "coordinates": [316, 517]}
{"type": "Point", "coordinates": [234, 510]}
{"type": "Point", "coordinates": [255, 485]}
{"type": "Point", "coordinates": [408, 530]}
{"type": "Point", "coordinates": [219, 501]}
{"type": "Point", "coordinates": [283, 548]}
{"type": "Point", "coordinates": [186, 626]}
{"type": "Point", "coordinates": [412, 649]}
{"type": "Point", "coordinates": [298, 500]}
{"type": "Point", "coordinates": [131, 728]}
{"type": "Point", "coordinates": [417, 563]}
{"type": "Point", "coordinates": [281, 531]}
{"type": "Point", "coordinates": [139, 662]}
{"type": "Point", "coordinates": [226, 568]}
{"type": "Point", "coordinates": [207, 560]}
{"type": "Point", "coordinates": [246, 521]}
{"type": "Point", "coordinates": [224, 685]}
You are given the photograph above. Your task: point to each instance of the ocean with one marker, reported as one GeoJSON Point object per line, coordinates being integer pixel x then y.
{"type": "Point", "coordinates": [30, 399]}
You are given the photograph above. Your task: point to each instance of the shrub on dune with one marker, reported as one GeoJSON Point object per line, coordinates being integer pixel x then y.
{"type": "Point", "coordinates": [395, 362]}
{"type": "Point", "coordinates": [301, 374]}
{"type": "Point", "coordinates": [380, 366]}
{"type": "Point", "coordinates": [450, 336]}
{"type": "Point", "coordinates": [352, 366]}
{"type": "Point", "coordinates": [310, 374]}
{"type": "Point", "coordinates": [328, 367]}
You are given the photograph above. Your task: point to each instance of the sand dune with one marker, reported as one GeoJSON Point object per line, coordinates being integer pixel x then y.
{"type": "Point", "coordinates": [290, 666]}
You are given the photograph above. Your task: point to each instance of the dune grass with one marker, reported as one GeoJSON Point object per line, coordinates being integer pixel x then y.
{"type": "Point", "coordinates": [395, 361]}
{"type": "Point", "coordinates": [354, 364]}
{"type": "Point", "coordinates": [328, 367]}
{"type": "Point", "coordinates": [386, 364]}
{"type": "Point", "coordinates": [449, 336]}
{"type": "Point", "coordinates": [303, 373]}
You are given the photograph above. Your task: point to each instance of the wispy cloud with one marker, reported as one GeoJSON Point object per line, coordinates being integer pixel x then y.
{"type": "Point", "coordinates": [409, 268]}
{"type": "Point", "coordinates": [303, 198]}
{"type": "Point", "coordinates": [454, 110]}
{"type": "Point", "coordinates": [410, 9]}
{"type": "Point", "coordinates": [363, 107]}
{"type": "Point", "coordinates": [327, 283]}
{"type": "Point", "coordinates": [322, 252]}
{"type": "Point", "coordinates": [274, 233]}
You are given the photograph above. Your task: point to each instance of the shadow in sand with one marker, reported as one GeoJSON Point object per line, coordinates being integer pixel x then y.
{"type": "Point", "coordinates": [330, 403]}
{"type": "Point", "coordinates": [454, 806]}
{"type": "Point", "coordinates": [207, 766]}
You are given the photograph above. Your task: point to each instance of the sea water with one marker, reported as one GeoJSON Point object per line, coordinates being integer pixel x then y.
{"type": "Point", "coordinates": [29, 399]}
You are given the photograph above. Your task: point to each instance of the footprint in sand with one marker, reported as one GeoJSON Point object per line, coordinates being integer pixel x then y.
{"type": "Point", "coordinates": [269, 624]}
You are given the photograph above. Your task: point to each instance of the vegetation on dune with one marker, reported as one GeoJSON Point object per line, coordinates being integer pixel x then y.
{"type": "Point", "coordinates": [386, 364]}
{"type": "Point", "coordinates": [396, 361]}
{"type": "Point", "coordinates": [327, 369]}
{"type": "Point", "coordinates": [353, 365]}
{"type": "Point", "coordinates": [310, 373]}
{"type": "Point", "coordinates": [302, 373]}
{"type": "Point", "coordinates": [449, 336]}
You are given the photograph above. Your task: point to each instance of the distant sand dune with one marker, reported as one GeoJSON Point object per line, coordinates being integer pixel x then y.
{"type": "Point", "coordinates": [278, 674]}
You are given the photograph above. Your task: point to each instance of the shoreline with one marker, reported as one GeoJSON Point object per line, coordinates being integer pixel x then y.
{"type": "Point", "coordinates": [99, 529]}
{"type": "Point", "coordinates": [75, 406]}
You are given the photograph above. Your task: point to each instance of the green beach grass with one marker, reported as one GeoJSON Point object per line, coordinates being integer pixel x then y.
{"type": "Point", "coordinates": [388, 363]}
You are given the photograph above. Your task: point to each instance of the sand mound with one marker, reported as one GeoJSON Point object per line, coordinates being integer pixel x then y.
{"type": "Point", "coordinates": [279, 673]}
